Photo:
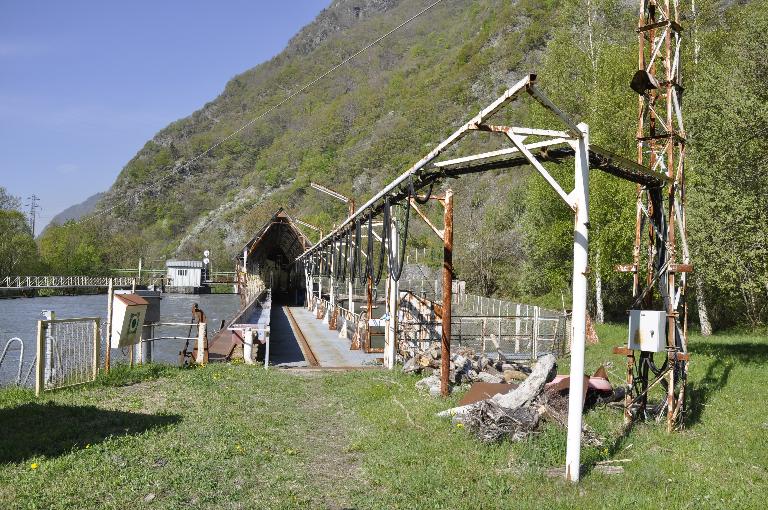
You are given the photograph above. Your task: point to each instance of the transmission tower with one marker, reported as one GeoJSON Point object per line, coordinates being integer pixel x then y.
{"type": "Point", "coordinates": [32, 204]}
{"type": "Point", "coordinates": [659, 281]}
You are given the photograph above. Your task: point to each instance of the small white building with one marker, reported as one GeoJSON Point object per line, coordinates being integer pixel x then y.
{"type": "Point", "coordinates": [184, 276]}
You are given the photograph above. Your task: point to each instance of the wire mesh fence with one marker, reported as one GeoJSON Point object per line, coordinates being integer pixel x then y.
{"type": "Point", "coordinates": [68, 352]}
{"type": "Point", "coordinates": [526, 334]}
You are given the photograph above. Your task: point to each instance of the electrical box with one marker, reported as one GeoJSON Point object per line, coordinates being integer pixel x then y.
{"type": "Point", "coordinates": [128, 311]}
{"type": "Point", "coordinates": [152, 297]}
{"type": "Point", "coordinates": [648, 330]}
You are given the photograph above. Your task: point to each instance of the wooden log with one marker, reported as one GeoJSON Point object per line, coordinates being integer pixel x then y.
{"type": "Point", "coordinates": [522, 395]}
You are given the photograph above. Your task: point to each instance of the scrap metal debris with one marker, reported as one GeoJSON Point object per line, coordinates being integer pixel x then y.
{"type": "Point", "coordinates": [496, 411]}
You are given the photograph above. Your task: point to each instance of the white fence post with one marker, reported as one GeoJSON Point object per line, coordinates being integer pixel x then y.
{"type": "Point", "coordinates": [266, 347]}
{"type": "Point", "coordinates": [248, 347]}
{"type": "Point", "coordinates": [201, 331]}
{"type": "Point", "coordinates": [39, 368]}
{"type": "Point", "coordinates": [96, 346]}
{"type": "Point", "coordinates": [580, 260]}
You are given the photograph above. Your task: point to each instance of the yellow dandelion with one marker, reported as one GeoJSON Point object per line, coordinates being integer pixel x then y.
{"type": "Point", "coordinates": [87, 446]}
{"type": "Point", "coordinates": [459, 425]}
{"type": "Point", "coordinates": [34, 465]}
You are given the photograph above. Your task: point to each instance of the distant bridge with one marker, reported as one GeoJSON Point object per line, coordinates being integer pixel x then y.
{"type": "Point", "coordinates": [63, 282]}
{"type": "Point", "coordinates": [84, 282]}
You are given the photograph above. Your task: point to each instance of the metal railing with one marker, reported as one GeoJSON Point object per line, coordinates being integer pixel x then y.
{"type": "Point", "coordinates": [505, 337]}
{"type": "Point", "coordinates": [195, 337]}
{"type": "Point", "coordinates": [37, 282]}
{"type": "Point", "coordinates": [526, 333]}
{"type": "Point", "coordinates": [68, 352]}
{"type": "Point", "coordinates": [18, 381]}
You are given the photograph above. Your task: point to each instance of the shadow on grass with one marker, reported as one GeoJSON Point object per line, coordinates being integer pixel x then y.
{"type": "Point", "coordinates": [742, 352]}
{"type": "Point", "coordinates": [51, 429]}
{"type": "Point", "coordinates": [616, 445]}
{"type": "Point", "coordinates": [699, 392]}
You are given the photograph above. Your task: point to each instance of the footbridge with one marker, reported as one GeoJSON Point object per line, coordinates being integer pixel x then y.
{"type": "Point", "coordinates": [95, 282]}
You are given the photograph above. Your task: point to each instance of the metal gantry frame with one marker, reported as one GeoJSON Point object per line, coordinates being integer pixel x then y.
{"type": "Point", "coordinates": [660, 226]}
{"type": "Point", "coordinates": [528, 146]}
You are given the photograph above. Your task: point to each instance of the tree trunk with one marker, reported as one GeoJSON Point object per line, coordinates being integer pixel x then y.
{"type": "Point", "coordinates": [706, 326]}
{"type": "Point", "coordinates": [600, 312]}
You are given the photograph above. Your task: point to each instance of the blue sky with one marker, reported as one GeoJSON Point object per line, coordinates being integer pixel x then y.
{"type": "Point", "coordinates": [84, 84]}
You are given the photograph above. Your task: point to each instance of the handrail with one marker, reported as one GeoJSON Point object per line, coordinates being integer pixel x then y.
{"type": "Point", "coordinates": [21, 356]}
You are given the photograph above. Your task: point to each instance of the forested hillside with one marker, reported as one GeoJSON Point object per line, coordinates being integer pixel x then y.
{"type": "Point", "coordinates": [367, 122]}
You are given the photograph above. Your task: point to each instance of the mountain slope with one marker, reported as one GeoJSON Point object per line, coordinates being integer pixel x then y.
{"type": "Point", "coordinates": [353, 130]}
{"type": "Point", "coordinates": [77, 211]}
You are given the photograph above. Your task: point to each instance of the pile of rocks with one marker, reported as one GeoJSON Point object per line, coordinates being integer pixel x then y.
{"type": "Point", "coordinates": [466, 367]}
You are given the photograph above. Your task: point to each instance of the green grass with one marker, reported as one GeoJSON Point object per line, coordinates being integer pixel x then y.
{"type": "Point", "coordinates": [235, 436]}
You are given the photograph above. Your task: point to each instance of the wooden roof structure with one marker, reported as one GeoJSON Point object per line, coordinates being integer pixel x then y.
{"type": "Point", "coordinates": [281, 231]}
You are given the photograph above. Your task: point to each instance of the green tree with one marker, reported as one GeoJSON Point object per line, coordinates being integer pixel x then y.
{"type": "Point", "coordinates": [73, 248]}
{"type": "Point", "coordinates": [728, 181]}
{"type": "Point", "coordinates": [9, 202]}
{"type": "Point", "coordinates": [18, 252]}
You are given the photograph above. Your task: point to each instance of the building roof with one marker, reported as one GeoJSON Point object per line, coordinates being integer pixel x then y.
{"type": "Point", "coordinates": [292, 244]}
{"type": "Point", "coordinates": [184, 263]}
{"type": "Point", "coordinates": [132, 299]}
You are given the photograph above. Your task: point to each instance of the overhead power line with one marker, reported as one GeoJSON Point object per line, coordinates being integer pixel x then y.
{"type": "Point", "coordinates": [266, 112]}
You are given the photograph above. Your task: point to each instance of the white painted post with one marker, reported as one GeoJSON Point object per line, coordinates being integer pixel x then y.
{"type": "Point", "coordinates": [201, 330]}
{"type": "Point", "coordinates": [578, 322]}
{"type": "Point", "coordinates": [96, 347]}
{"type": "Point", "coordinates": [248, 346]}
{"type": "Point", "coordinates": [393, 294]}
{"type": "Point", "coordinates": [147, 344]}
{"type": "Point", "coordinates": [40, 364]}
{"type": "Point", "coordinates": [331, 291]}
{"type": "Point", "coordinates": [138, 348]}
{"type": "Point", "coordinates": [535, 336]}
{"type": "Point", "coordinates": [266, 347]}
{"type": "Point", "coordinates": [350, 303]}
{"type": "Point", "coordinates": [49, 331]}
{"type": "Point", "coordinates": [108, 346]}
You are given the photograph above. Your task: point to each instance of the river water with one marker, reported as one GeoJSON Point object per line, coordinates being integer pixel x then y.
{"type": "Point", "coordinates": [18, 318]}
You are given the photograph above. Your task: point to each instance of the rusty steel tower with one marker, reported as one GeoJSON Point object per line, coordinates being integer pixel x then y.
{"type": "Point", "coordinates": [661, 259]}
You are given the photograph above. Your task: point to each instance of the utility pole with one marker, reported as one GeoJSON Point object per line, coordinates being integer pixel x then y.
{"type": "Point", "coordinates": [660, 220]}
{"type": "Point", "coordinates": [33, 211]}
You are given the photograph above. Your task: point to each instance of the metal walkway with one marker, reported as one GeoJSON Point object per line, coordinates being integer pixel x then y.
{"type": "Point", "coordinates": [324, 344]}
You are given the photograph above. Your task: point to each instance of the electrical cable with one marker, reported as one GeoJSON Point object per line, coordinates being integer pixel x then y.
{"type": "Point", "coordinates": [399, 239]}
{"type": "Point", "coordinates": [382, 252]}
{"type": "Point", "coordinates": [428, 195]}
{"type": "Point", "coordinates": [356, 251]}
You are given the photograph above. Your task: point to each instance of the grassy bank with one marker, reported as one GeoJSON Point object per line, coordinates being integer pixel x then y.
{"type": "Point", "coordinates": [231, 436]}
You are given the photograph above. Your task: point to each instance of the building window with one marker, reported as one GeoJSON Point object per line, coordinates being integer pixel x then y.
{"type": "Point", "coordinates": [181, 272]}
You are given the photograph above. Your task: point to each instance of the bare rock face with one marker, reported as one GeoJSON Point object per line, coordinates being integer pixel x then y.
{"type": "Point", "coordinates": [340, 15]}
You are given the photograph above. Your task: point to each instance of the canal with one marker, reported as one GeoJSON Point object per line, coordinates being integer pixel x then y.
{"type": "Point", "coordinates": [18, 318]}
